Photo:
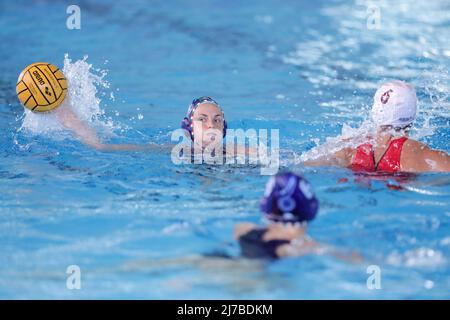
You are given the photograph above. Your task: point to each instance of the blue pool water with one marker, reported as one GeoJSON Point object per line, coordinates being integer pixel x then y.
{"type": "Point", "coordinates": [139, 226]}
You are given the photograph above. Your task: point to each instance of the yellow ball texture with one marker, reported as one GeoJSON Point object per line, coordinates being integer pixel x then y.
{"type": "Point", "coordinates": [41, 87]}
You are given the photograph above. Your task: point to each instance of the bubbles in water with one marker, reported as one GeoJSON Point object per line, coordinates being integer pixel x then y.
{"type": "Point", "coordinates": [420, 257]}
{"type": "Point", "coordinates": [428, 284]}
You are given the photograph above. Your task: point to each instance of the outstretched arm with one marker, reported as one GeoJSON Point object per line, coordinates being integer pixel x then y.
{"type": "Point", "coordinates": [89, 136]}
{"type": "Point", "coordinates": [312, 247]}
{"type": "Point", "coordinates": [71, 121]}
{"type": "Point", "coordinates": [341, 158]}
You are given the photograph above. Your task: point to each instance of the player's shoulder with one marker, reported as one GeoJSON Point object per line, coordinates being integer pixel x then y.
{"type": "Point", "coordinates": [414, 146]}
{"type": "Point", "coordinates": [243, 228]}
{"type": "Point", "coordinates": [345, 155]}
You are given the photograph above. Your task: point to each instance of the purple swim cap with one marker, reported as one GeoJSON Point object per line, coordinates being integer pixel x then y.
{"type": "Point", "coordinates": [187, 125]}
{"type": "Point", "coordinates": [289, 198]}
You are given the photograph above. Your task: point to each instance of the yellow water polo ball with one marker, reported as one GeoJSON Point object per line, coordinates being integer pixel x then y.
{"type": "Point", "coordinates": [41, 87]}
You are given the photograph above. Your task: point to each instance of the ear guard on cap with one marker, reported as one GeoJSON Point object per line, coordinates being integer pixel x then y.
{"type": "Point", "coordinates": [186, 125]}
{"type": "Point", "coordinates": [225, 126]}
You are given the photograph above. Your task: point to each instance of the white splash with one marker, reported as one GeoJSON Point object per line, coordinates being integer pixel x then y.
{"type": "Point", "coordinates": [349, 137]}
{"type": "Point", "coordinates": [436, 84]}
{"type": "Point", "coordinates": [82, 98]}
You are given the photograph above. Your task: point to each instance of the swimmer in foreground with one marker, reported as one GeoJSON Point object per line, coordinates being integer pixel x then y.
{"type": "Point", "coordinates": [288, 205]}
{"type": "Point", "coordinates": [393, 112]}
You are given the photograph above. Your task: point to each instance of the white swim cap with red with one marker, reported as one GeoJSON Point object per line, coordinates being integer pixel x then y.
{"type": "Point", "coordinates": [394, 104]}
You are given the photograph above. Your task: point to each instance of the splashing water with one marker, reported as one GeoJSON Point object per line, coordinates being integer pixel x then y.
{"type": "Point", "coordinates": [132, 221]}
{"type": "Point", "coordinates": [358, 62]}
{"type": "Point", "coordinates": [82, 99]}
{"type": "Point", "coordinates": [436, 84]}
{"type": "Point", "coordinates": [349, 137]}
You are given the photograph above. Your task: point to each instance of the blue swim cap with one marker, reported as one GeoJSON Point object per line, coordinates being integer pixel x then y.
{"type": "Point", "coordinates": [187, 125]}
{"type": "Point", "coordinates": [289, 198]}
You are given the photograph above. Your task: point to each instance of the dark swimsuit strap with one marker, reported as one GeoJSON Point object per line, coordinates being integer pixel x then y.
{"type": "Point", "coordinates": [253, 245]}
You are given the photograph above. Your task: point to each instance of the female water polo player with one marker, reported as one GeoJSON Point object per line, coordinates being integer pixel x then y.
{"type": "Point", "coordinates": [393, 112]}
{"type": "Point", "coordinates": [204, 124]}
{"type": "Point", "coordinates": [288, 205]}
{"type": "Point", "coordinates": [202, 120]}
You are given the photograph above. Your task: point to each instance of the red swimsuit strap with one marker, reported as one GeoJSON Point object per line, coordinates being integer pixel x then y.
{"type": "Point", "coordinates": [364, 159]}
{"type": "Point", "coordinates": [390, 161]}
